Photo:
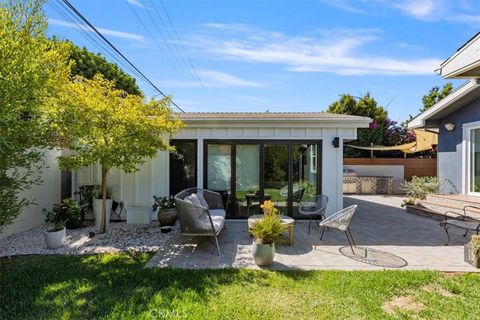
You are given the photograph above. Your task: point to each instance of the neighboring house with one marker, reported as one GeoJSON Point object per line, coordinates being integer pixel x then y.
{"type": "Point", "coordinates": [457, 119]}
{"type": "Point", "coordinates": [246, 156]}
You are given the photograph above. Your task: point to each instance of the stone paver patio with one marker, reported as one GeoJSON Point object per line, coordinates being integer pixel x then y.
{"type": "Point", "coordinates": [379, 224]}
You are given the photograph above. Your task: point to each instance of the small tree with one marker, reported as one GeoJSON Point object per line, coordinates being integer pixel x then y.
{"type": "Point", "coordinates": [31, 68]}
{"type": "Point", "coordinates": [105, 125]}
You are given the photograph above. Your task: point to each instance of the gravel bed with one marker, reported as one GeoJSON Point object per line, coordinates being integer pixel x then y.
{"type": "Point", "coordinates": [120, 237]}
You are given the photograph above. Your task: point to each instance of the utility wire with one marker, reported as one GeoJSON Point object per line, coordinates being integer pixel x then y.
{"type": "Point", "coordinates": [178, 63]}
{"type": "Point", "coordinates": [185, 54]}
{"type": "Point", "coordinates": [92, 27]}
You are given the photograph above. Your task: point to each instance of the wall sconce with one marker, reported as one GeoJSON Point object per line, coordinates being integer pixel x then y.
{"type": "Point", "coordinates": [336, 142]}
{"type": "Point", "coordinates": [450, 126]}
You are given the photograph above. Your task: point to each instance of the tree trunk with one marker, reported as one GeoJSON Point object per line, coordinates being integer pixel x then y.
{"type": "Point", "coordinates": [103, 225]}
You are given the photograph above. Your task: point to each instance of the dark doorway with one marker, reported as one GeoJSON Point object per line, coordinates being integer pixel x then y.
{"type": "Point", "coordinates": [183, 165]}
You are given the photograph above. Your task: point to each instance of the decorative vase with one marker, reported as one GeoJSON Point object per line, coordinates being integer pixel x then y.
{"type": "Point", "coordinates": [167, 217]}
{"type": "Point", "coordinates": [97, 210]}
{"type": "Point", "coordinates": [263, 254]}
{"type": "Point", "coordinates": [55, 239]}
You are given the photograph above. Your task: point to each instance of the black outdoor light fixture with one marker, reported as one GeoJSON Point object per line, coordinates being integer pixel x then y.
{"type": "Point", "coordinates": [336, 142]}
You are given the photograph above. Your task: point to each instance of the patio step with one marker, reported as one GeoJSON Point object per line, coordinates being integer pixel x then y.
{"type": "Point", "coordinates": [458, 199]}
{"type": "Point", "coordinates": [436, 209]}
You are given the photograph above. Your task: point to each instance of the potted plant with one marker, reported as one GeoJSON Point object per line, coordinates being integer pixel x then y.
{"type": "Point", "coordinates": [55, 236]}
{"type": "Point", "coordinates": [166, 214]}
{"type": "Point", "coordinates": [73, 213]}
{"type": "Point", "coordinates": [97, 208]}
{"type": "Point", "coordinates": [266, 232]}
{"type": "Point", "coordinates": [472, 251]}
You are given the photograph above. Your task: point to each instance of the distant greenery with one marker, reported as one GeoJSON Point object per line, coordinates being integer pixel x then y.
{"type": "Point", "coordinates": [116, 286]}
{"type": "Point", "coordinates": [86, 64]}
{"type": "Point", "coordinates": [433, 96]}
{"type": "Point", "coordinates": [382, 130]}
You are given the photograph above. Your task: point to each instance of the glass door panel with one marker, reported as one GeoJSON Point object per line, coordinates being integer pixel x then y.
{"type": "Point", "coordinates": [475, 161]}
{"type": "Point", "coordinates": [183, 165]}
{"type": "Point", "coordinates": [219, 171]}
{"type": "Point", "coordinates": [276, 175]}
{"type": "Point", "coordinates": [304, 180]}
{"type": "Point", "coordinates": [247, 182]}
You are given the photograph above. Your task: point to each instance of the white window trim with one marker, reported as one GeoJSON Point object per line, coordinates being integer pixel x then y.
{"type": "Point", "coordinates": [466, 158]}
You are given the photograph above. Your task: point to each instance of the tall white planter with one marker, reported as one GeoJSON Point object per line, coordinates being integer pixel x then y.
{"type": "Point", "coordinates": [97, 210]}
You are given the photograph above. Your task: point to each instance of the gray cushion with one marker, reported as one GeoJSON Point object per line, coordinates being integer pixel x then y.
{"type": "Point", "coordinates": [203, 202]}
{"type": "Point", "coordinates": [218, 219]}
{"type": "Point", "coordinates": [193, 199]}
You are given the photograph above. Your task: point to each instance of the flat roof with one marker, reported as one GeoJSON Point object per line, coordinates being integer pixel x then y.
{"type": "Point", "coordinates": [287, 116]}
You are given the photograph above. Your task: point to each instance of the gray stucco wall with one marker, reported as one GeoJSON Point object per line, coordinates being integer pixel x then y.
{"type": "Point", "coordinates": [450, 147]}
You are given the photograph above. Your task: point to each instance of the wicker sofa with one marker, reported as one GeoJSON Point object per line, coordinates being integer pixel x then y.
{"type": "Point", "coordinates": [201, 213]}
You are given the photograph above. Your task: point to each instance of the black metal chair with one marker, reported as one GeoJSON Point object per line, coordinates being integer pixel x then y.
{"type": "Point", "coordinates": [314, 207]}
{"type": "Point", "coordinates": [461, 221]}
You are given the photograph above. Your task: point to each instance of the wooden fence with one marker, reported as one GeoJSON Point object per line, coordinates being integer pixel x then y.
{"type": "Point", "coordinates": [412, 167]}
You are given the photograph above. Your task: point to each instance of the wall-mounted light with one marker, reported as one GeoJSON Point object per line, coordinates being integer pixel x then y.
{"type": "Point", "coordinates": [336, 142]}
{"type": "Point", "coordinates": [450, 126]}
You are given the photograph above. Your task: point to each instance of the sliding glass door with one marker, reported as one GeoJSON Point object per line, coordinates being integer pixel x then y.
{"type": "Point", "coordinates": [183, 165]}
{"type": "Point", "coordinates": [248, 172]}
{"type": "Point", "coordinates": [474, 161]}
{"type": "Point", "coordinates": [276, 186]}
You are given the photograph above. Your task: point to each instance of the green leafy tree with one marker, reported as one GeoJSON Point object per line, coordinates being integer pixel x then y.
{"type": "Point", "coordinates": [435, 95]}
{"type": "Point", "coordinates": [87, 64]}
{"type": "Point", "coordinates": [365, 106]}
{"type": "Point", "coordinates": [31, 68]}
{"type": "Point", "coordinates": [104, 125]}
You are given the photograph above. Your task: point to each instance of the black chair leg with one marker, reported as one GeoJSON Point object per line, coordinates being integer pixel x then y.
{"type": "Point", "coordinates": [320, 236]}
{"type": "Point", "coordinates": [448, 235]}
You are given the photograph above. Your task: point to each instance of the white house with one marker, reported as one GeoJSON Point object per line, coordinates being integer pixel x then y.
{"type": "Point", "coordinates": [247, 157]}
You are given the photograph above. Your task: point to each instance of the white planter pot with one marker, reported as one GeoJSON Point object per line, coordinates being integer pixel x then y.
{"type": "Point", "coordinates": [139, 215]}
{"type": "Point", "coordinates": [263, 254]}
{"type": "Point", "coordinates": [97, 210]}
{"type": "Point", "coordinates": [55, 239]}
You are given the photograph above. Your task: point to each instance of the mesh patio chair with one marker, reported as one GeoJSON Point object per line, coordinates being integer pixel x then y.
{"type": "Point", "coordinates": [339, 220]}
{"type": "Point", "coordinates": [314, 207]}
{"type": "Point", "coordinates": [198, 220]}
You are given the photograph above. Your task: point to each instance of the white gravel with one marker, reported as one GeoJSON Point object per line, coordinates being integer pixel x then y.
{"type": "Point", "coordinates": [120, 237]}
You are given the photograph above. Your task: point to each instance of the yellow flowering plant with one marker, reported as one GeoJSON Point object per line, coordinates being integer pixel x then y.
{"type": "Point", "coordinates": [268, 208]}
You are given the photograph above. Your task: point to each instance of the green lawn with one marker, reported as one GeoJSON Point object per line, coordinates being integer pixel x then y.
{"type": "Point", "coordinates": [116, 286]}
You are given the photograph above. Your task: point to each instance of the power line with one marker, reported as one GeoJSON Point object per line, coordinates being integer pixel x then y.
{"type": "Point", "coordinates": [178, 63]}
{"type": "Point", "coordinates": [185, 54]}
{"type": "Point", "coordinates": [92, 27]}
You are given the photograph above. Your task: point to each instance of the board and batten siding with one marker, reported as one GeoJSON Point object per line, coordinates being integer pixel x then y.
{"type": "Point", "coordinates": [45, 195]}
{"type": "Point", "coordinates": [137, 189]}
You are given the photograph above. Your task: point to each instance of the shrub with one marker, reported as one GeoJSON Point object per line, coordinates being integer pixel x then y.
{"type": "Point", "coordinates": [68, 212]}
{"type": "Point", "coordinates": [419, 187]}
{"type": "Point", "coordinates": [163, 203]}
{"type": "Point", "coordinates": [268, 230]}
{"type": "Point", "coordinates": [268, 208]}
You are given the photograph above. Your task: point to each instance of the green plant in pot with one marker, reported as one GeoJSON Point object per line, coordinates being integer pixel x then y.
{"type": "Point", "coordinates": [266, 232]}
{"type": "Point", "coordinates": [472, 251]}
{"type": "Point", "coordinates": [165, 208]}
{"type": "Point", "coordinates": [55, 236]}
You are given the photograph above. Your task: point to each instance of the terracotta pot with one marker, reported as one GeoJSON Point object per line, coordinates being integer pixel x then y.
{"type": "Point", "coordinates": [167, 217]}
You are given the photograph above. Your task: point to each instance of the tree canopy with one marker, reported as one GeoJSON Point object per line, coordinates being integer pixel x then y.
{"type": "Point", "coordinates": [31, 68]}
{"type": "Point", "coordinates": [435, 95]}
{"type": "Point", "coordinates": [382, 130]}
{"type": "Point", "coordinates": [87, 64]}
{"type": "Point", "coordinates": [105, 125]}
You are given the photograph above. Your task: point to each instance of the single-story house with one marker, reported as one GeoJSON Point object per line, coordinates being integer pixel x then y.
{"type": "Point", "coordinates": [247, 157]}
{"type": "Point", "coordinates": [457, 119]}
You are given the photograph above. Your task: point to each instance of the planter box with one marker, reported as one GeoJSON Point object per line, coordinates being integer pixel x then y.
{"type": "Point", "coordinates": [139, 215]}
{"type": "Point", "coordinates": [469, 257]}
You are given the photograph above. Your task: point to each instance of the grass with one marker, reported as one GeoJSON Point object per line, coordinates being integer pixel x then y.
{"type": "Point", "coordinates": [115, 286]}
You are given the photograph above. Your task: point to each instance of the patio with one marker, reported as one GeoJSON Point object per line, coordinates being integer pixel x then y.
{"type": "Point", "coordinates": [379, 224]}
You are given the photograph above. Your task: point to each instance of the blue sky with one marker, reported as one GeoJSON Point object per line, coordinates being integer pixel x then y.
{"type": "Point", "coordinates": [290, 55]}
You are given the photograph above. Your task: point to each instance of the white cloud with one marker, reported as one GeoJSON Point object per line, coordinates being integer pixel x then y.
{"type": "Point", "coordinates": [418, 9]}
{"type": "Point", "coordinates": [213, 79]}
{"type": "Point", "coordinates": [107, 32]}
{"type": "Point", "coordinates": [343, 5]}
{"type": "Point", "coordinates": [136, 3]}
{"type": "Point", "coordinates": [335, 51]}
